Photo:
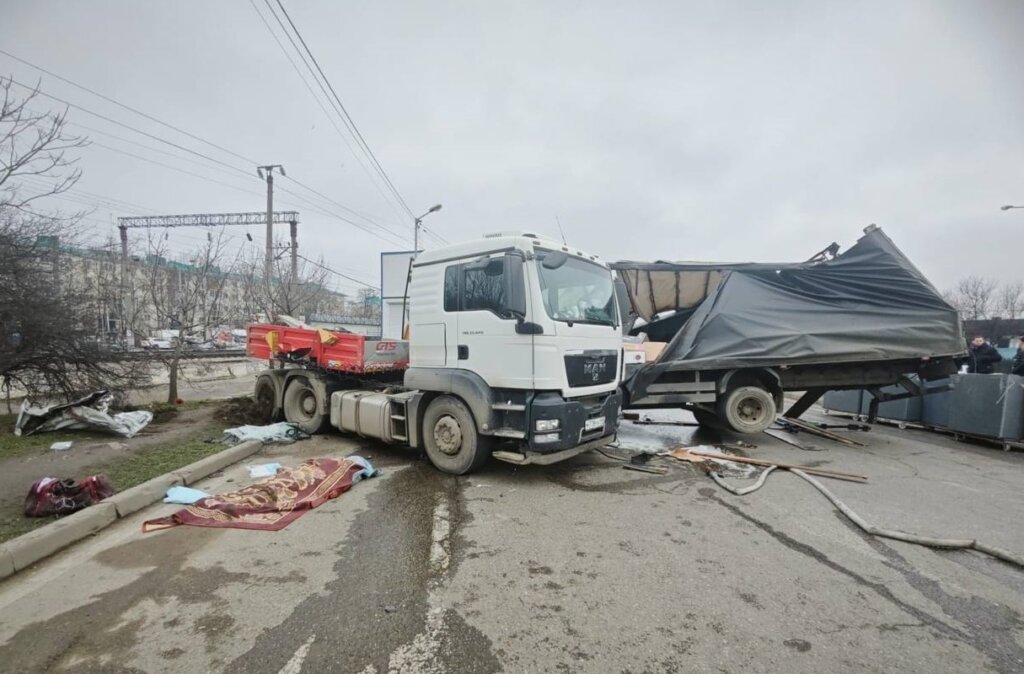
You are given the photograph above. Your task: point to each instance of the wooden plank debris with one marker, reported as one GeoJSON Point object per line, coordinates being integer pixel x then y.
{"type": "Point", "coordinates": [684, 454]}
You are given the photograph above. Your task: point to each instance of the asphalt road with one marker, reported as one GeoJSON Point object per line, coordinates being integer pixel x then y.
{"type": "Point", "coordinates": [578, 567]}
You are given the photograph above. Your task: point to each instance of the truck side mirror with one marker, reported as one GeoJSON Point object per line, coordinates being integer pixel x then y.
{"type": "Point", "coordinates": [515, 286]}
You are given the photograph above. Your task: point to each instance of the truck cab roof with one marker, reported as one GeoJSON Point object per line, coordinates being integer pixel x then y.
{"type": "Point", "coordinates": [499, 242]}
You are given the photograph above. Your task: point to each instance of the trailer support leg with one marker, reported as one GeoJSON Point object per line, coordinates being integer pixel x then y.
{"type": "Point", "coordinates": [809, 397]}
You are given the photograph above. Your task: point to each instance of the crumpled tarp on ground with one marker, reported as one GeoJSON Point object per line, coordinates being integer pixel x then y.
{"type": "Point", "coordinates": [274, 503]}
{"type": "Point", "coordinates": [88, 413]}
{"type": "Point", "coordinates": [282, 432]}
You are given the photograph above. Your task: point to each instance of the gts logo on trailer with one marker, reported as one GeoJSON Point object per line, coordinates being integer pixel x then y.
{"type": "Point", "coordinates": [386, 346]}
{"type": "Point", "coordinates": [595, 368]}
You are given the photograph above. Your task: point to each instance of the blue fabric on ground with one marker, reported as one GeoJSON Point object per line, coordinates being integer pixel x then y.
{"type": "Point", "coordinates": [264, 470]}
{"type": "Point", "coordinates": [367, 471]}
{"type": "Point", "coordinates": [184, 495]}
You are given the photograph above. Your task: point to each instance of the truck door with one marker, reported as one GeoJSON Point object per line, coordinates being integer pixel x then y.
{"type": "Point", "coordinates": [487, 342]}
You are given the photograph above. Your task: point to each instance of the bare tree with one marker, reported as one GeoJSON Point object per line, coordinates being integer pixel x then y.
{"type": "Point", "coordinates": [1010, 301]}
{"type": "Point", "coordinates": [973, 297]}
{"type": "Point", "coordinates": [282, 294]}
{"type": "Point", "coordinates": [48, 334]}
{"type": "Point", "coordinates": [33, 145]}
{"type": "Point", "coordinates": [188, 298]}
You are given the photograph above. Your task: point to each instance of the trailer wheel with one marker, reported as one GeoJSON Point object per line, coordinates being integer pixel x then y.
{"type": "Point", "coordinates": [302, 406]}
{"type": "Point", "coordinates": [450, 437]}
{"type": "Point", "coordinates": [748, 409]}
{"type": "Point", "coordinates": [266, 400]}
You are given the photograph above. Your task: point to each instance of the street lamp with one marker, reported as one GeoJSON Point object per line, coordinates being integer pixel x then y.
{"type": "Point", "coordinates": [416, 229]}
{"type": "Point", "coordinates": [1008, 207]}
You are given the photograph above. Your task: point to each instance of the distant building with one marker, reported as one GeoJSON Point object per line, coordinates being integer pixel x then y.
{"type": "Point", "coordinates": [122, 303]}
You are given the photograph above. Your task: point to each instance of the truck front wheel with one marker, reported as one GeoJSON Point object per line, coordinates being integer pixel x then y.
{"type": "Point", "coordinates": [450, 437]}
{"type": "Point", "coordinates": [302, 406]}
{"type": "Point", "coordinates": [747, 409]}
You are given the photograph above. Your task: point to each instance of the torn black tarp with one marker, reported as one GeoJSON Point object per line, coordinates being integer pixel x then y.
{"type": "Point", "coordinates": [867, 304]}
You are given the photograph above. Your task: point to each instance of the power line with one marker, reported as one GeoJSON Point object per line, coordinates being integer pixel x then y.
{"type": "Point", "coordinates": [126, 107]}
{"type": "Point", "coordinates": [180, 147]}
{"type": "Point", "coordinates": [323, 90]}
{"type": "Point", "coordinates": [348, 118]}
{"type": "Point", "coordinates": [338, 273]}
{"type": "Point", "coordinates": [127, 126]}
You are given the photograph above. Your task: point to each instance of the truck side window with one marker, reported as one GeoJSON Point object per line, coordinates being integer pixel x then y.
{"type": "Point", "coordinates": [451, 287]}
{"type": "Point", "coordinates": [483, 292]}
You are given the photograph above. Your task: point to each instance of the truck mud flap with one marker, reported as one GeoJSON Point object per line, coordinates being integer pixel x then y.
{"type": "Point", "coordinates": [536, 458]}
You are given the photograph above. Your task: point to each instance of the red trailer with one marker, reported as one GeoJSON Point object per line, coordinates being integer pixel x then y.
{"type": "Point", "coordinates": [344, 352]}
{"type": "Point", "coordinates": [305, 365]}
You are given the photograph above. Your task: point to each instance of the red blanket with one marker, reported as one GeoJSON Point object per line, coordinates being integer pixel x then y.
{"type": "Point", "coordinates": [269, 504]}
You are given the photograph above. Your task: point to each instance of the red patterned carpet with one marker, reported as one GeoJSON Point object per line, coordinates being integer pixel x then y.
{"type": "Point", "coordinates": [269, 504]}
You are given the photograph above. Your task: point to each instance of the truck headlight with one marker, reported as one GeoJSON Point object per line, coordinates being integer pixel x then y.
{"type": "Point", "coordinates": [546, 437]}
{"type": "Point", "coordinates": [543, 425]}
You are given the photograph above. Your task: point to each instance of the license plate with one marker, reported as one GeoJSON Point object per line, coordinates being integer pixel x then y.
{"type": "Point", "coordinates": [593, 424]}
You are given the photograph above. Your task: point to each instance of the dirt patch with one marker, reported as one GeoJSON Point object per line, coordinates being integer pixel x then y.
{"type": "Point", "coordinates": [241, 411]}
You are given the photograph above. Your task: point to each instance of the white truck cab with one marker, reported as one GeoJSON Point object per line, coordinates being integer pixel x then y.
{"type": "Point", "coordinates": [525, 332]}
{"type": "Point", "coordinates": [515, 352]}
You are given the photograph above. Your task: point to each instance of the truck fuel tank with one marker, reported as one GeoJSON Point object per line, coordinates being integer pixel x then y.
{"type": "Point", "coordinates": [381, 416]}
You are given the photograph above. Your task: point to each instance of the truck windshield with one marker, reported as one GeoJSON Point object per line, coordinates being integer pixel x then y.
{"type": "Point", "coordinates": [577, 291]}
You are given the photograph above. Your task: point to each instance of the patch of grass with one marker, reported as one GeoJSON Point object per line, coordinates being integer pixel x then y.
{"type": "Point", "coordinates": [157, 460]}
{"type": "Point", "coordinates": [11, 445]}
{"type": "Point", "coordinates": [12, 526]}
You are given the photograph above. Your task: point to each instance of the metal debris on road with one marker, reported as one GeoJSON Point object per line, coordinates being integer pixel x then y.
{"type": "Point", "coordinates": [790, 439]}
{"type": "Point", "coordinates": [797, 425]}
{"type": "Point", "coordinates": [656, 470]}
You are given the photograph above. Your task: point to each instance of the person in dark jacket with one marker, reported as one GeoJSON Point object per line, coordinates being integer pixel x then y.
{"type": "Point", "coordinates": [982, 356]}
{"type": "Point", "coordinates": [1018, 359]}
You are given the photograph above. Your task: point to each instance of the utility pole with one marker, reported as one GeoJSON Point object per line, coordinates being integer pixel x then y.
{"type": "Point", "coordinates": [268, 271]}
{"type": "Point", "coordinates": [293, 226]}
{"type": "Point", "coordinates": [126, 299]}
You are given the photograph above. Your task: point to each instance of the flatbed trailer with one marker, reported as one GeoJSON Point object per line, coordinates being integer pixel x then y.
{"type": "Point", "coordinates": [737, 337]}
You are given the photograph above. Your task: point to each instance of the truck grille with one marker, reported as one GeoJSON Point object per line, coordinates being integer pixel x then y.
{"type": "Point", "coordinates": [591, 368]}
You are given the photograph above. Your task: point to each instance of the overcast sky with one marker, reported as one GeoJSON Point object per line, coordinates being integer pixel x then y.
{"type": "Point", "coordinates": [669, 130]}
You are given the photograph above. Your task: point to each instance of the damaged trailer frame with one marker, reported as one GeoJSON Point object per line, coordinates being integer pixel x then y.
{"type": "Point", "coordinates": [741, 335]}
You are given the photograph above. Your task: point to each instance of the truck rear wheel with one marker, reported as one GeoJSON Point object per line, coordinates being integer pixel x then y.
{"type": "Point", "coordinates": [266, 400]}
{"type": "Point", "coordinates": [450, 437]}
{"type": "Point", "coordinates": [302, 406]}
{"type": "Point", "coordinates": [747, 409]}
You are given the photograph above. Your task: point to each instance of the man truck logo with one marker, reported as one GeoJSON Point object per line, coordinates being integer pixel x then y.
{"type": "Point", "coordinates": [595, 368]}
{"type": "Point", "coordinates": [386, 346]}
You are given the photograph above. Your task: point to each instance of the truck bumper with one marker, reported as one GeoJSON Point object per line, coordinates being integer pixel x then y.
{"type": "Point", "coordinates": [580, 421]}
{"type": "Point", "coordinates": [527, 458]}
